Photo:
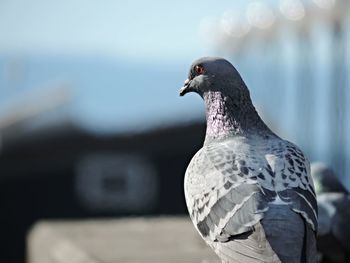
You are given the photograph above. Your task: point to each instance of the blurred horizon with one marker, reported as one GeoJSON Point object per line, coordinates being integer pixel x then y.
{"type": "Point", "coordinates": [117, 67]}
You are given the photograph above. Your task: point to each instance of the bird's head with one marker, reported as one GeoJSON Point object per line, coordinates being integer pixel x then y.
{"type": "Point", "coordinates": [208, 74]}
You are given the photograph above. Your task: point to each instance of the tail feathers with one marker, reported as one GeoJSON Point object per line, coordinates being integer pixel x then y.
{"type": "Point", "coordinates": [289, 235]}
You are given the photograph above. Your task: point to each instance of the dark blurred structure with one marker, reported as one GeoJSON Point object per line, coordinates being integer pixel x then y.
{"type": "Point", "coordinates": [83, 138]}
{"type": "Point", "coordinates": [64, 172]}
{"type": "Point", "coordinates": [334, 232]}
{"type": "Point", "coordinates": [333, 241]}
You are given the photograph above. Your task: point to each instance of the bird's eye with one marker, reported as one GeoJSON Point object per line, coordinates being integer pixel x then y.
{"type": "Point", "coordinates": [199, 69]}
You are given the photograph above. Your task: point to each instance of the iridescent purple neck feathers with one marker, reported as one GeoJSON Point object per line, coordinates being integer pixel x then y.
{"type": "Point", "coordinates": [231, 116]}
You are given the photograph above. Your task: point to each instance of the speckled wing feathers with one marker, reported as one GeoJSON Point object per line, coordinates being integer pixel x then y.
{"type": "Point", "coordinates": [227, 193]}
{"type": "Point", "coordinates": [298, 190]}
{"type": "Point", "coordinates": [221, 200]}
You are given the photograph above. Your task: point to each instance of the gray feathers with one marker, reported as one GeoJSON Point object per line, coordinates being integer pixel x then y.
{"type": "Point", "coordinates": [249, 247]}
{"type": "Point", "coordinates": [334, 228]}
{"type": "Point", "coordinates": [239, 178]}
{"type": "Point", "coordinates": [279, 222]}
{"type": "Point", "coordinates": [325, 179]}
{"type": "Point", "coordinates": [246, 185]}
{"type": "Point", "coordinates": [334, 215]}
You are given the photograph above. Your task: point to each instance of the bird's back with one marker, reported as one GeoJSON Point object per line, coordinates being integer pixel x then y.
{"type": "Point", "coordinates": [247, 202]}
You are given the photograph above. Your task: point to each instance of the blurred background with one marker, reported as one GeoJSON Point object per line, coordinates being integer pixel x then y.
{"type": "Point", "coordinates": [91, 123]}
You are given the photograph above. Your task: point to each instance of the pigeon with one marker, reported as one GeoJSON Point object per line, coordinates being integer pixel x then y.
{"type": "Point", "coordinates": [325, 179]}
{"type": "Point", "coordinates": [333, 199]}
{"type": "Point", "coordinates": [249, 193]}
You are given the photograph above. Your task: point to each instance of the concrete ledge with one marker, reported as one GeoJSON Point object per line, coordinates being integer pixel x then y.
{"type": "Point", "coordinates": [129, 240]}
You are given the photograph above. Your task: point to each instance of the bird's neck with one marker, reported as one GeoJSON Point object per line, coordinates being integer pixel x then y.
{"type": "Point", "coordinates": [231, 116]}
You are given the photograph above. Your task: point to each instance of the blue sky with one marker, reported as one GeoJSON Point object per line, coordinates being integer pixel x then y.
{"type": "Point", "coordinates": [126, 60]}
{"type": "Point", "coordinates": [114, 53]}
{"type": "Point", "coordinates": [152, 30]}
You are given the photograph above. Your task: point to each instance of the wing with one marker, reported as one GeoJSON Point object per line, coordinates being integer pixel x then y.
{"type": "Point", "coordinates": [293, 181]}
{"type": "Point", "coordinates": [229, 186]}
{"type": "Point", "coordinates": [222, 189]}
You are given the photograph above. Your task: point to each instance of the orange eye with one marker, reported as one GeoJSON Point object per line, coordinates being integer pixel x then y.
{"type": "Point", "coordinates": [199, 69]}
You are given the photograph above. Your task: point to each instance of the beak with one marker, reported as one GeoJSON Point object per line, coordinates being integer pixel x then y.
{"type": "Point", "coordinates": [186, 88]}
